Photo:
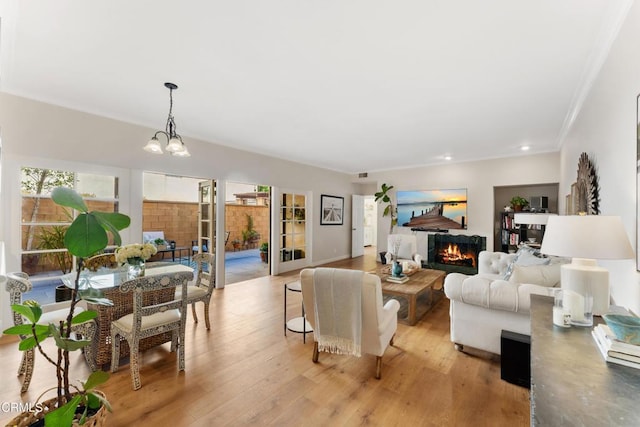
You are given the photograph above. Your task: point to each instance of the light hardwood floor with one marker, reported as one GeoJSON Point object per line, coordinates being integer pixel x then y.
{"type": "Point", "coordinates": [244, 371]}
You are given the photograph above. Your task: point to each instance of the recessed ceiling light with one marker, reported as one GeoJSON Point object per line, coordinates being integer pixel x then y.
{"type": "Point", "coordinates": [525, 148]}
{"type": "Point", "coordinates": [447, 157]}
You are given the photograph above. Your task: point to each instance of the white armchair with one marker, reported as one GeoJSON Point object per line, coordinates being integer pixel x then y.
{"type": "Point", "coordinates": [378, 322]}
{"type": "Point", "coordinates": [407, 248]}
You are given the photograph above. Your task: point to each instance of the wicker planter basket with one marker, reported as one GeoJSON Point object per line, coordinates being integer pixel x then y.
{"type": "Point", "coordinates": [27, 419]}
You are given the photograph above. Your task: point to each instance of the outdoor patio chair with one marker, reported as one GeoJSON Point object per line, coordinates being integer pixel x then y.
{"type": "Point", "coordinates": [204, 285]}
{"type": "Point", "coordinates": [17, 284]}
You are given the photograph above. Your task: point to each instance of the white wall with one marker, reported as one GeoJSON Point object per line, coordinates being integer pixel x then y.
{"type": "Point", "coordinates": [478, 178]}
{"type": "Point", "coordinates": [606, 130]}
{"type": "Point", "coordinates": [170, 188]}
{"type": "Point", "coordinates": [42, 135]}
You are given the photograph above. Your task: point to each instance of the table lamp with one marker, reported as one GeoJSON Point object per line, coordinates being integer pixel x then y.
{"type": "Point", "coordinates": [586, 238]}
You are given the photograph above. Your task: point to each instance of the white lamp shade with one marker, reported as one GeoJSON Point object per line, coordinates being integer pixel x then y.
{"type": "Point", "coordinates": [153, 146]}
{"type": "Point", "coordinates": [531, 218]}
{"type": "Point", "coordinates": [182, 153]}
{"type": "Point", "coordinates": [589, 236]}
{"type": "Point", "coordinates": [174, 145]}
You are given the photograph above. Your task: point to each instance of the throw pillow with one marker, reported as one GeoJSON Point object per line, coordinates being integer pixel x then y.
{"type": "Point", "coordinates": [527, 258]}
{"type": "Point", "coordinates": [509, 271]}
{"type": "Point", "coordinates": [526, 255]}
{"type": "Point", "coordinates": [543, 275]}
{"type": "Point", "coordinates": [404, 252]}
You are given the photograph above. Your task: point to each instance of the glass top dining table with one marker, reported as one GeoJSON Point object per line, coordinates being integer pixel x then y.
{"type": "Point", "coordinates": [112, 278]}
{"type": "Point", "coordinates": [108, 281]}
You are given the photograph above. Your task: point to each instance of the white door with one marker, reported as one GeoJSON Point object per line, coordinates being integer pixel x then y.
{"type": "Point", "coordinates": [357, 226]}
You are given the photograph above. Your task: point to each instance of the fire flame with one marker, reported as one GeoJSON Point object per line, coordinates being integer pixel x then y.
{"type": "Point", "coordinates": [452, 254]}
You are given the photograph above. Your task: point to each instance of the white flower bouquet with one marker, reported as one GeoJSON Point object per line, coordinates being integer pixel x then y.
{"type": "Point", "coordinates": [135, 251]}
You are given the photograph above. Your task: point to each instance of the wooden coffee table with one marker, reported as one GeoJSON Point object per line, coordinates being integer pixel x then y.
{"type": "Point", "coordinates": [421, 282]}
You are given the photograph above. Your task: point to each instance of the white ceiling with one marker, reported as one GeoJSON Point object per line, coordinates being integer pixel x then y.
{"type": "Point", "coordinates": [350, 85]}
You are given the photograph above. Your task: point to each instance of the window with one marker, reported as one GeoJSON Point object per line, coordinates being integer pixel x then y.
{"type": "Point", "coordinates": [292, 227]}
{"type": "Point", "coordinates": [43, 223]}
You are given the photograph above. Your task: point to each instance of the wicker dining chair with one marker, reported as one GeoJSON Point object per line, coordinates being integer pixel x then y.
{"type": "Point", "coordinates": [17, 284]}
{"type": "Point", "coordinates": [152, 319]}
{"type": "Point", "coordinates": [103, 260]}
{"type": "Point", "coordinates": [203, 287]}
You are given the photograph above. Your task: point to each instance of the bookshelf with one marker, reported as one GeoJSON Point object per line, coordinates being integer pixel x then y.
{"type": "Point", "coordinates": [512, 234]}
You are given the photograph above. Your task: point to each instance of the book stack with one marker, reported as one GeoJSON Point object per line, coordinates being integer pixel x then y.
{"type": "Point", "coordinates": [614, 350]}
{"type": "Point", "coordinates": [401, 279]}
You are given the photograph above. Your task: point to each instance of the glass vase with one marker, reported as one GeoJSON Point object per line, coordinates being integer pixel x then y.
{"type": "Point", "coordinates": [396, 269]}
{"type": "Point", "coordinates": [136, 267]}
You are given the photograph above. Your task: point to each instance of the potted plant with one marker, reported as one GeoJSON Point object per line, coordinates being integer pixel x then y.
{"type": "Point", "coordinates": [383, 197]}
{"type": "Point", "coordinates": [517, 203]}
{"type": "Point", "coordinates": [53, 238]}
{"type": "Point", "coordinates": [249, 236]}
{"type": "Point", "coordinates": [264, 252]}
{"type": "Point", "coordinates": [86, 236]}
{"type": "Point", "coordinates": [160, 243]}
{"type": "Point", "coordinates": [236, 244]}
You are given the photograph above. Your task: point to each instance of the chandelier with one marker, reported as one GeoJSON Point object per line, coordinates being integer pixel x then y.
{"type": "Point", "coordinates": [175, 146]}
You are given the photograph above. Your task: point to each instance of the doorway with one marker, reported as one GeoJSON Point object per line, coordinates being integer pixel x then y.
{"type": "Point", "coordinates": [364, 224]}
{"type": "Point", "coordinates": [248, 227]}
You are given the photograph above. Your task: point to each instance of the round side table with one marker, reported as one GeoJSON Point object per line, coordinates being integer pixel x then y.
{"type": "Point", "coordinates": [297, 324]}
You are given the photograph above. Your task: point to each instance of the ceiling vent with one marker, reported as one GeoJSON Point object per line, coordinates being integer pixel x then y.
{"type": "Point", "coordinates": [363, 175]}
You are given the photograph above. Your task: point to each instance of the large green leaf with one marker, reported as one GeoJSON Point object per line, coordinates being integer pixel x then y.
{"type": "Point", "coordinates": [27, 344]}
{"type": "Point", "coordinates": [83, 316]}
{"type": "Point", "coordinates": [102, 399]}
{"type": "Point", "coordinates": [113, 222]}
{"type": "Point", "coordinates": [31, 312]}
{"type": "Point", "coordinates": [67, 344]}
{"type": "Point", "coordinates": [85, 236]}
{"type": "Point", "coordinates": [63, 416]}
{"type": "Point", "coordinates": [25, 330]}
{"type": "Point", "coordinates": [73, 345]}
{"type": "Point", "coordinates": [18, 330]}
{"type": "Point", "coordinates": [95, 379]}
{"type": "Point", "coordinates": [68, 197]}
{"type": "Point", "coordinates": [117, 220]}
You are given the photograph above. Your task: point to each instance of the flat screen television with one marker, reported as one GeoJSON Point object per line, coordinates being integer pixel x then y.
{"type": "Point", "coordinates": [433, 209]}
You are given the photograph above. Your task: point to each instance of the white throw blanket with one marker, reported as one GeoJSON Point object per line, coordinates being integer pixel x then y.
{"type": "Point", "coordinates": [338, 310]}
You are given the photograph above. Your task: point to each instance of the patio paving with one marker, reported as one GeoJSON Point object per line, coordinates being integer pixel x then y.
{"type": "Point", "coordinates": [239, 266]}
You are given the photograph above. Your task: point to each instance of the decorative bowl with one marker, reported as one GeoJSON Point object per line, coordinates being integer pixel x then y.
{"type": "Point", "coordinates": [626, 328]}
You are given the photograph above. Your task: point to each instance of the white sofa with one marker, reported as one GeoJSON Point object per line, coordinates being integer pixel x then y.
{"type": "Point", "coordinates": [481, 306]}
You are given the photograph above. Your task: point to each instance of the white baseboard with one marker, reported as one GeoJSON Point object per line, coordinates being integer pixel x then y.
{"type": "Point", "coordinates": [326, 261]}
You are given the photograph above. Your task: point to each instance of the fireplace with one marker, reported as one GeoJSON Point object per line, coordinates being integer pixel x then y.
{"type": "Point", "coordinates": [455, 253]}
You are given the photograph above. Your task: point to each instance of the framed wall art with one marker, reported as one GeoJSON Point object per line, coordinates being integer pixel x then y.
{"type": "Point", "coordinates": [331, 210]}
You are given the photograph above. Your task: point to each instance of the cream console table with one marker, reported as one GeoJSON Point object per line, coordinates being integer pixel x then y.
{"type": "Point", "coordinates": [571, 384]}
